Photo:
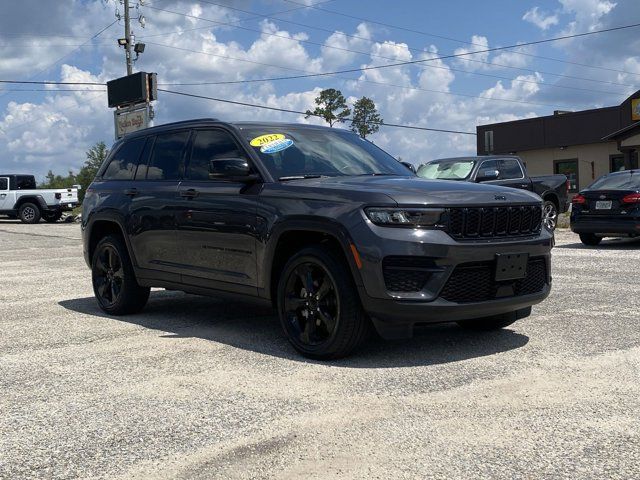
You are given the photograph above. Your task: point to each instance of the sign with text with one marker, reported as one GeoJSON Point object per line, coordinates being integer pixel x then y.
{"type": "Point", "coordinates": [635, 109]}
{"type": "Point", "coordinates": [128, 121]}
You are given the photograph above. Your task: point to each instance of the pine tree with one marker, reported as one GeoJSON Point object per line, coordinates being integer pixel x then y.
{"type": "Point", "coordinates": [366, 119]}
{"type": "Point", "coordinates": [331, 105]}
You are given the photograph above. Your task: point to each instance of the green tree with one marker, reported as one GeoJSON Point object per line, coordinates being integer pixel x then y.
{"type": "Point", "coordinates": [366, 119]}
{"type": "Point", "coordinates": [331, 105]}
{"type": "Point", "coordinates": [95, 157]}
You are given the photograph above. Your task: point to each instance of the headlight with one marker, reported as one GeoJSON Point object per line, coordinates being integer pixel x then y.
{"type": "Point", "coordinates": [405, 217]}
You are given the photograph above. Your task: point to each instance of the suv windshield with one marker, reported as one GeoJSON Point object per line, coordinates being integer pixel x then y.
{"type": "Point", "coordinates": [305, 152]}
{"type": "Point", "coordinates": [451, 170]}
{"type": "Point", "coordinates": [619, 181]}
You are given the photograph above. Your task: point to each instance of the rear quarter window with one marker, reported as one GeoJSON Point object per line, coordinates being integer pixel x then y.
{"type": "Point", "coordinates": [124, 162]}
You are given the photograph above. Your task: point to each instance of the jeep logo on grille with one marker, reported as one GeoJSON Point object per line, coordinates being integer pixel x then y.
{"type": "Point", "coordinates": [500, 197]}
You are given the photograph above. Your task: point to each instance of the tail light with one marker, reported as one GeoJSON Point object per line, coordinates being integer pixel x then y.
{"type": "Point", "coordinates": [579, 200]}
{"type": "Point", "coordinates": [631, 198]}
{"type": "Point", "coordinates": [58, 195]}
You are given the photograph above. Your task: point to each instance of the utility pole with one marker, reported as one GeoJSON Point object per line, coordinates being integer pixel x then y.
{"type": "Point", "coordinates": [127, 36]}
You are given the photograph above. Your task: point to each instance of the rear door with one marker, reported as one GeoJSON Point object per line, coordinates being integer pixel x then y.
{"type": "Point", "coordinates": [4, 194]}
{"type": "Point", "coordinates": [154, 204]}
{"type": "Point", "coordinates": [217, 217]}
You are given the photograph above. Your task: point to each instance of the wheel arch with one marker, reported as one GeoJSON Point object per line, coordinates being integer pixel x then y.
{"type": "Point", "coordinates": [552, 197]}
{"type": "Point", "coordinates": [100, 228]}
{"type": "Point", "coordinates": [38, 200]}
{"type": "Point", "coordinates": [294, 235]}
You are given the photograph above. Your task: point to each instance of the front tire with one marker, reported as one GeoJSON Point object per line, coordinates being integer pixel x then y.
{"type": "Point", "coordinates": [29, 213]}
{"type": "Point", "coordinates": [113, 278]}
{"type": "Point", "coordinates": [319, 306]}
{"type": "Point", "coordinates": [550, 215]}
{"type": "Point", "coordinates": [590, 239]}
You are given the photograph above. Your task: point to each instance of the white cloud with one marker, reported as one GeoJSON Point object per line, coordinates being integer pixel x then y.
{"type": "Point", "coordinates": [479, 43]}
{"type": "Point", "coordinates": [541, 19]}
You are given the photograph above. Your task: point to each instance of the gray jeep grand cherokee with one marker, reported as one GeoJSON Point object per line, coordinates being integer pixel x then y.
{"type": "Point", "coordinates": [330, 229]}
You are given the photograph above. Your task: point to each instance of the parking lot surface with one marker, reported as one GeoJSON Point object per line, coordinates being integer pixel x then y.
{"type": "Point", "coordinates": [204, 388]}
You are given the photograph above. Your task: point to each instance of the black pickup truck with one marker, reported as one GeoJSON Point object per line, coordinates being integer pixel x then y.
{"type": "Point", "coordinates": [507, 171]}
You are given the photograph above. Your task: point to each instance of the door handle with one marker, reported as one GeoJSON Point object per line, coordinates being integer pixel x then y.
{"type": "Point", "coordinates": [191, 193]}
{"type": "Point", "coordinates": [131, 192]}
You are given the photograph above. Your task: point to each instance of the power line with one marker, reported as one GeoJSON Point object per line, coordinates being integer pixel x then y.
{"type": "Point", "coordinates": [411, 62]}
{"type": "Point", "coordinates": [369, 40]}
{"type": "Point", "coordinates": [47, 82]}
{"type": "Point", "coordinates": [442, 57]}
{"type": "Point", "coordinates": [298, 112]}
{"type": "Point", "coordinates": [427, 34]}
{"type": "Point", "coordinates": [281, 12]}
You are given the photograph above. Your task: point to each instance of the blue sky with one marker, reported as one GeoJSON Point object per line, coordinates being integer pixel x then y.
{"type": "Point", "coordinates": [52, 130]}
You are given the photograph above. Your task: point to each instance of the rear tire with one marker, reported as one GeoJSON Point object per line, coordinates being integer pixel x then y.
{"type": "Point", "coordinates": [29, 213]}
{"type": "Point", "coordinates": [590, 239]}
{"type": "Point", "coordinates": [319, 306]}
{"type": "Point", "coordinates": [114, 282]}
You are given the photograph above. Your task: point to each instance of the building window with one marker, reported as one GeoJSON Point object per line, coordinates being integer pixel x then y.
{"type": "Point", "coordinates": [488, 141]}
{"type": "Point", "coordinates": [570, 169]}
{"type": "Point", "coordinates": [616, 163]}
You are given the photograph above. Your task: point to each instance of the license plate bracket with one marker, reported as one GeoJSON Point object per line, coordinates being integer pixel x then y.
{"type": "Point", "coordinates": [511, 266]}
{"type": "Point", "coordinates": [603, 205]}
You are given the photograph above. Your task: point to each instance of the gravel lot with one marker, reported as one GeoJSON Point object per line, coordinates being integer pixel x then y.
{"type": "Point", "coordinates": [202, 388]}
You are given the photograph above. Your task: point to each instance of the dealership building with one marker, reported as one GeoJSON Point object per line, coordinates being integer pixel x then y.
{"type": "Point", "coordinates": [582, 145]}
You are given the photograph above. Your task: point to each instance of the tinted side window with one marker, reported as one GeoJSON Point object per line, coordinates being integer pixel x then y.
{"type": "Point", "coordinates": [124, 161]}
{"type": "Point", "coordinates": [488, 165]}
{"type": "Point", "coordinates": [25, 182]}
{"type": "Point", "coordinates": [166, 158]}
{"type": "Point", "coordinates": [4, 183]}
{"type": "Point", "coordinates": [211, 145]}
{"type": "Point", "coordinates": [510, 169]}
{"type": "Point", "coordinates": [141, 172]}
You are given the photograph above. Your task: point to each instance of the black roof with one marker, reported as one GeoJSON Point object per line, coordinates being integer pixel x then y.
{"type": "Point", "coordinates": [562, 129]}
{"type": "Point", "coordinates": [198, 122]}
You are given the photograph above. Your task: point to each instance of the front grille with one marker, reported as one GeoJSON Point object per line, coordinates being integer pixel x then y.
{"type": "Point", "coordinates": [491, 222]}
{"type": "Point", "coordinates": [475, 282]}
{"type": "Point", "coordinates": [406, 273]}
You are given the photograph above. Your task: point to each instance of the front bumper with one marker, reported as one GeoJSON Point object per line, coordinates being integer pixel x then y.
{"type": "Point", "coordinates": [619, 225]}
{"type": "Point", "coordinates": [395, 313]}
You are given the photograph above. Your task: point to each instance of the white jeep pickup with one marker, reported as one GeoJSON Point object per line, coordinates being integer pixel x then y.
{"type": "Point", "coordinates": [19, 198]}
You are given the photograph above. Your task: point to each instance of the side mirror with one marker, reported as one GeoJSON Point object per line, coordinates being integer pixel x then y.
{"type": "Point", "coordinates": [232, 169]}
{"type": "Point", "coordinates": [487, 175]}
{"type": "Point", "coordinates": [410, 166]}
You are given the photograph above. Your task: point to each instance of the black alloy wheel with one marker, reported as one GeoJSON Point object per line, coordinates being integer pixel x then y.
{"type": "Point", "coordinates": [108, 275]}
{"type": "Point", "coordinates": [550, 215]}
{"type": "Point", "coordinates": [113, 278]}
{"type": "Point", "coordinates": [319, 306]}
{"type": "Point", "coordinates": [311, 304]}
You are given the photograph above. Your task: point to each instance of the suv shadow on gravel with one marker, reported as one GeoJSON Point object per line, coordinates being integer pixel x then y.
{"type": "Point", "coordinates": [254, 327]}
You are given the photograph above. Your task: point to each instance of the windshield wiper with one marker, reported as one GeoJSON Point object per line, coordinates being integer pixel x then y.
{"type": "Point", "coordinates": [300, 177]}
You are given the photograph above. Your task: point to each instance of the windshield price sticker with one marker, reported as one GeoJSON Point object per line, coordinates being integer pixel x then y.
{"type": "Point", "coordinates": [276, 145]}
{"type": "Point", "coordinates": [264, 139]}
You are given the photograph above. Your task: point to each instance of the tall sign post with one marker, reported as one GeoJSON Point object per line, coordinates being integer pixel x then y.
{"type": "Point", "coordinates": [131, 96]}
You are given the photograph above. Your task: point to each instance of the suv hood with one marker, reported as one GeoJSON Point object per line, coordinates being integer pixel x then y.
{"type": "Point", "coordinates": [419, 191]}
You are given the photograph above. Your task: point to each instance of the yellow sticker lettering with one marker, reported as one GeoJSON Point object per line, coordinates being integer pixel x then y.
{"type": "Point", "coordinates": [262, 139]}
